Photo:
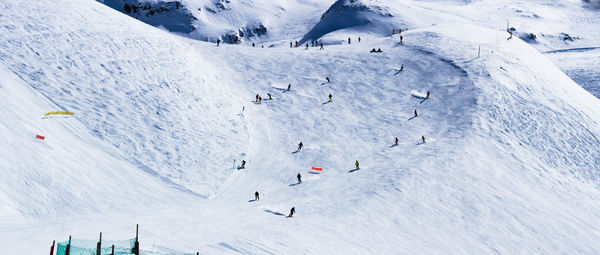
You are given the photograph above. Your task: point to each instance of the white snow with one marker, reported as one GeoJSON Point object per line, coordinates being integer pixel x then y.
{"type": "Point", "coordinates": [510, 164]}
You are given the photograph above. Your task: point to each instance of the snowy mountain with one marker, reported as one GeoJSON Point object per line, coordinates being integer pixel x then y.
{"type": "Point", "coordinates": [161, 121]}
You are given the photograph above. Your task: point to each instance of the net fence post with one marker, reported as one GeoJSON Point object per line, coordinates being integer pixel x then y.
{"type": "Point", "coordinates": [136, 248]}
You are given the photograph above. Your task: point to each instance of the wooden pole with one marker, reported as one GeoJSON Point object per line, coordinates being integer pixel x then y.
{"type": "Point", "coordinates": [99, 245]}
{"type": "Point", "coordinates": [68, 247]}
{"type": "Point", "coordinates": [136, 248]}
{"type": "Point", "coordinates": [52, 248]}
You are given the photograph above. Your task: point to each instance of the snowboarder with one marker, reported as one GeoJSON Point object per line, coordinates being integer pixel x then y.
{"type": "Point", "coordinates": [330, 98]}
{"type": "Point", "coordinates": [423, 139]}
{"type": "Point", "coordinates": [299, 178]}
{"type": "Point", "coordinates": [269, 95]}
{"type": "Point", "coordinates": [396, 142]}
{"type": "Point", "coordinates": [373, 50]}
{"type": "Point", "coordinates": [259, 100]}
{"type": "Point", "coordinates": [256, 196]}
{"type": "Point", "coordinates": [218, 42]}
{"type": "Point", "coordinates": [328, 80]}
{"type": "Point", "coordinates": [292, 211]}
{"type": "Point", "coordinates": [359, 39]}
{"type": "Point", "coordinates": [299, 146]}
{"type": "Point", "coordinates": [356, 164]}
{"type": "Point", "coordinates": [379, 50]}
{"type": "Point", "coordinates": [348, 40]}
{"type": "Point", "coordinates": [243, 164]}
{"type": "Point", "coordinates": [427, 97]}
{"type": "Point", "coordinates": [415, 113]}
{"type": "Point", "coordinates": [289, 87]}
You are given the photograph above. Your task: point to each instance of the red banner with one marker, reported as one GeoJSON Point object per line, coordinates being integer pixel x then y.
{"type": "Point", "coordinates": [40, 137]}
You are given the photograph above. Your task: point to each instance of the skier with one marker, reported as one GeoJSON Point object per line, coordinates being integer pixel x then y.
{"type": "Point", "coordinates": [401, 39]}
{"type": "Point", "coordinates": [290, 44]}
{"type": "Point", "coordinates": [396, 142]}
{"type": "Point", "coordinates": [423, 139]}
{"type": "Point", "coordinates": [379, 50]}
{"type": "Point", "coordinates": [401, 67]}
{"type": "Point", "coordinates": [256, 197]}
{"type": "Point", "coordinates": [269, 95]}
{"type": "Point", "coordinates": [306, 46]}
{"type": "Point", "coordinates": [415, 113]}
{"type": "Point", "coordinates": [359, 39]}
{"type": "Point", "coordinates": [259, 100]}
{"type": "Point", "coordinates": [296, 44]}
{"type": "Point", "coordinates": [327, 78]}
{"type": "Point", "coordinates": [373, 50]}
{"type": "Point", "coordinates": [253, 44]}
{"type": "Point", "coordinates": [330, 98]}
{"type": "Point", "coordinates": [218, 42]}
{"type": "Point", "coordinates": [427, 95]}
{"type": "Point", "coordinates": [299, 178]}
{"type": "Point", "coordinates": [348, 40]}
{"type": "Point", "coordinates": [322, 46]}
{"type": "Point", "coordinates": [289, 87]}
{"type": "Point", "coordinates": [256, 98]}
{"type": "Point", "coordinates": [292, 211]}
{"type": "Point", "coordinates": [356, 164]}
{"type": "Point", "coordinates": [243, 164]}
{"type": "Point", "coordinates": [299, 146]}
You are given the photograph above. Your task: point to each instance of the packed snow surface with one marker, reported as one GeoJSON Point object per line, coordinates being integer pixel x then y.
{"type": "Point", "coordinates": [510, 162]}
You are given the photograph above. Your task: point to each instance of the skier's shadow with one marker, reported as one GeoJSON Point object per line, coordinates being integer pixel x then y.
{"type": "Point", "coordinates": [353, 170]}
{"type": "Point", "coordinates": [412, 118]}
{"type": "Point", "coordinates": [424, 99]}
{"type": "Point", "coordinates": [393, 145]}
{"type": "Point", "coordinates": [399, 71]}
{"type": "Point", "coordinates": [276, 213]}
{"type": "Point", "coordinates": [294, 152]}
{"type": "Point", "coordinates": [327, 102]}
{"type": "Point", "coordinates": [294, 184]}
{"type": "Point", "coordinates": [252, 200]}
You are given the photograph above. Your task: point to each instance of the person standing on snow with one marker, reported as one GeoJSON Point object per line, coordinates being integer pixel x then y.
{"type": "Point", "coordinates": [396, 142]}
{"type": "Point", "coordinates": [243, 164]}
{"type": "Point", "coordinates": [256, 197]}
{"type": "Point", "coordinates": [289, 87]}
{"type": "Point", "coordinates": [259, 100]}
{"type": "Point", "coordinates": [218, 42]}
{"type": "Point", "coordinates": [348, 40]}
{"type": "Point", "coordinates": [299, 178]}
{"type": "Point", "coordinates": [256, 98]}
{"type": "Point", "coordinates": [356, 164]}
{"type": "Point", "coordinates": [423, 139]}
{"type": "Point", "coordinates": [330, 98]}
{"type": "Point", "coordinates": [322, 46]}
{"type": "Point", "coordinates": [292, 211]}
{"type": "Point", "coordinates": [290, 44]}
{"type": "Point", "coordinates": [401, 67]}
{"type": "Point", "coordinates": [299, 146]}
{"type": "Point", "coordinates": [415, 113]}
{"type": "Point", "coordinates": [328, 80]}
{"type": "Point", "coordinates": [359, 39]}
{"type": "Point", "coordinates": [269, 95]}
{"type": "Point", "coordinates": [427, 95]}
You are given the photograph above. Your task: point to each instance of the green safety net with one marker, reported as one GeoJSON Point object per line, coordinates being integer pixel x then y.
{"type": "Point", "coordinates": [88, 247]}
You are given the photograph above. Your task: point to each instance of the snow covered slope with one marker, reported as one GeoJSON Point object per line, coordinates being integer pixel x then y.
{"type": "Point", "coordinates": [509, 165]}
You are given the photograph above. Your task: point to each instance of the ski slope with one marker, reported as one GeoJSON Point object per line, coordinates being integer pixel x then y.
{"type": "Point", "coordinates": [508, 166]}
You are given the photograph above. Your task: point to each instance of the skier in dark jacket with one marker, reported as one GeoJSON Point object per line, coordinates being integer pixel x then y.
{"type": "Point", "coordinates": [269, 95]}
{"type": "Point", "coordinates": [373, 50]}
{"type": "Point", "coordinates": [299, 176]}
{"type": "Point", "coordinates": [330, 98]}
{"type": "Point", "coordinates": [396, 142]}
{"type": "Point", "coordinates": [218, 42]}
{"type": "Point", "coordinates": [292, 211]}
{"type": "Point", "coordinates": [427, 94]}
{"type": "Point", "coordinates": [256, 98]}
{"type": "Point", "coordinates": [423, 139]}
{"type": "Point", "coordinates": [300, 146]}
{"type": "Point", "coordinates": [416, 113]}
{"type": "Point", "coordinates": [289, 87]}
{"type": "Point", "coordinates": [256, 196]}
{"type": "Point", "coordinates": [243, 164]}
{"type": "Point", "coordinates": [328, 80]}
